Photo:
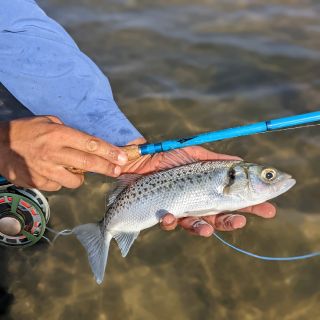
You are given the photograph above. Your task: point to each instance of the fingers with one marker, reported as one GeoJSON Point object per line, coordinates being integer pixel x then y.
{"type": "Point", "coordinates": [51, 186]}
{"type": "Point", "coordinates": [36, 181]}
{"type": "Point", "coordinates": [196, 226]}
{"type": "Point", "coordinates": [193, 225]}
{"type": "Point", "coordinates": [168, 222]}
{"type": "Point", "coordinates": [65, 178]}
{"type": "Point", "coordinates": [47, 179]}
{"type": "Point", "coordinates": [205, 226]}
{"type": "Point", "coordinates": [54, 119]}
{"type": "Point", "coordinates": [264, 210]}
{"type": "Point", "coordinates": [137, 141]}
{"type": "Point", "coordinates": [86, 162]}
{"type": "Point", "coordinates": [84, 142]}
{"type": "Point", "coordinates": [204, 154]}
{"type": "Point", "coordinates": [228, 222]}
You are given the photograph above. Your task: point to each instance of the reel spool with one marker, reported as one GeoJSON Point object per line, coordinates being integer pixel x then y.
{"type": "Point", "coordinates": [24, 214]}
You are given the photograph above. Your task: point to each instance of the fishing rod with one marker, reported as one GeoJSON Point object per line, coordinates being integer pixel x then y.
{"type": "Point", "coordinates": [285, 123]}
{"type": "Point", "coordinates": [135, 151]}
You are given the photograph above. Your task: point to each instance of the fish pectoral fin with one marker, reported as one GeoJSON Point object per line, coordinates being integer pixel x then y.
{"type": "Point", "coordinates": [202, 213]}
{"type": "Point", "coordinates": [123, 182]}
{"type": "Point", "coordinates": [176, 158]}
{"type": "Point", "coordinates": [125, 241]}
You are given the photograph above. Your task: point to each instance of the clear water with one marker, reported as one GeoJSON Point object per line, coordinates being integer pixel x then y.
{"type": "Point", "coordinates": [178, 68]}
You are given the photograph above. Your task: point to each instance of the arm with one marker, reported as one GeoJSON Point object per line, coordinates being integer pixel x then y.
{"type": "Point", "coordinates": [44, 69]}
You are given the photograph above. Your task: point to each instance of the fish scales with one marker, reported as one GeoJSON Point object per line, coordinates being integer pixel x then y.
{"type": "Point", "coordinates": [188, 188]}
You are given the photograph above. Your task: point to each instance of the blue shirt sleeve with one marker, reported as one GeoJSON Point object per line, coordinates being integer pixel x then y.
{"type": "Point", "coordinates": [44, 69]}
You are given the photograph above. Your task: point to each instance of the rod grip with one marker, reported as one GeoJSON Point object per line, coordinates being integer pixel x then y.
{"type": "Point", "coordinates": [132, 152]}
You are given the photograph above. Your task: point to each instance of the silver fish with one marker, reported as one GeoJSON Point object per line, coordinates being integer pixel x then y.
{"type": "Point", "coordinates": [195, 189]}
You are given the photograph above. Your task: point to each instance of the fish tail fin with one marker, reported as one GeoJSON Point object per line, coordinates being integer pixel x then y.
{"type": "Point", "coordinates": [97, 245]}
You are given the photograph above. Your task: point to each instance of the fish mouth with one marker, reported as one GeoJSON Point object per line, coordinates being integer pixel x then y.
{"type": "Point", "coordinates": [287, 183]}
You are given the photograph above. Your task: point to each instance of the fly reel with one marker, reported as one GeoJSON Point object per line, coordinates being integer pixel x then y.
{"type": "Point", "coordinates": [24, 214]}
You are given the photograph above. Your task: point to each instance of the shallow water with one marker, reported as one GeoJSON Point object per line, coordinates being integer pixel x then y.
{"type": "Point", "coordinates": [179, 68]}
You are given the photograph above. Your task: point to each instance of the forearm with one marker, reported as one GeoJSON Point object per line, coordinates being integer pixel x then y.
{"type": "Point", "coordinates": [45, 70]}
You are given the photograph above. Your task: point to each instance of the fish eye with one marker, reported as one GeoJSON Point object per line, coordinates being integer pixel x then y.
{"type": "Point", "coordinates": [269, 174]}
{"type": "Point", "coordinates": [232, 174]}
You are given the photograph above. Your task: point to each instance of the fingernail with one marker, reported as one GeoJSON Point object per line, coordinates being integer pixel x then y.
{"type": "Point", "coordinates": [117, 171]}
{"type": "Point", "coordinates": [204, 232]}
{"type": "Point", "coordinates": [168, 220]}
{"type": "Point", "coordinates": [271, 213]}
{"type": "Point", "coordinates": [198, 223]}
{"type": "Point", "coordinates": [122, 158]}
{"type": "Point", "coordinates": [237, 221]}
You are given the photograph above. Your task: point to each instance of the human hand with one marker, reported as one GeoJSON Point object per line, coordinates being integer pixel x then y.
{"type": "Point", "coordinates": [36, 152]}
{"type": "Point", "coordinates": [204, 226]}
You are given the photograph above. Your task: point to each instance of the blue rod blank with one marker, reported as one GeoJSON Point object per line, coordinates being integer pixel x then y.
{"type": "Point", "coordinates": [246, 130]}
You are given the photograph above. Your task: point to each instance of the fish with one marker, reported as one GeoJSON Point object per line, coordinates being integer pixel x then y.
{"type": "Point", "coordinates": [183, 186]}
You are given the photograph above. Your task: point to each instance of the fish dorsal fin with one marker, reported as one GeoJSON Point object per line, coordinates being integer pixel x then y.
{"type": "Point", "coordinates": [176, 158]}
{"type": "Point", "coordinates": [122, 182]}
{"type": "Point", "coordinates": [125, 241]}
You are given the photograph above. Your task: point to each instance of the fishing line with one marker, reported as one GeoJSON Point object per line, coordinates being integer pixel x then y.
{"type": "Point", "coordinates": [267, 258]}
{"type": "Point", "coordinates": [47, 239]}
{"type": "Point", "coordinates": [65, 232]}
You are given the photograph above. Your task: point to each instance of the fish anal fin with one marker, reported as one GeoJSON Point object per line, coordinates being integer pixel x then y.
{"type": "Point", "coordinates": [125, 241]}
